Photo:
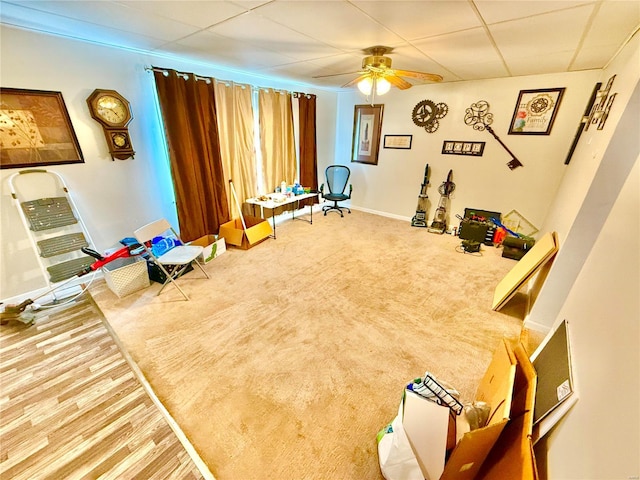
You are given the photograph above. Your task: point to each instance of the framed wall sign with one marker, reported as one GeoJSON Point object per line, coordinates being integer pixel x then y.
{"type": "Point", "coordinates": [35, 130]}
{"type": "Point", "coordinates": [367, 125]}
{"type": "Point", "coordinates": [535, 111]}
{"type": "Point", "coordinates": [398, 141]}
{"type": "Point", "coordinates": [459, 147]}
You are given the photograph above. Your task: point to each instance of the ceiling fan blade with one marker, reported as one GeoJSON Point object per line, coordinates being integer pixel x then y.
{"type": "Point", "coordinates": [355, 80]}
{"type": "Point", "coordinates": [431, 77]}
{"type": "Point", "coordinates": [338, 74]}
{"type": "Point", "coordinates": [401, 83]}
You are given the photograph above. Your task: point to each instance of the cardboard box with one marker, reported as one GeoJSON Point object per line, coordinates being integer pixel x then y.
{"type": "Point", "coordinates": [496, 389]}
{"type": "Point", "coordinates": [257, 231]}
{"type": "Point", "coordinates": [213, 245]}
{"type": "Point", "coordinates": [429, 429]}
{"type": "Point", "coordinates": [512, 456]}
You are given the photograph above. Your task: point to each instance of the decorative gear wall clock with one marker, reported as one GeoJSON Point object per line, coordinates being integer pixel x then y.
{"type": "Point", "coordinates": [427, 113]}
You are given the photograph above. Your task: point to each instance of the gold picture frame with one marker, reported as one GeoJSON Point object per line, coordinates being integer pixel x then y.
{"type": "Point", "coordinates": [35, 130]}
{"type": "Point", "coordinates": [367, 126]}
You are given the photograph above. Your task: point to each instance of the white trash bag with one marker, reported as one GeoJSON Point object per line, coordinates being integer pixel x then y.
{"type": "Point", "coordinates": [396, 458]}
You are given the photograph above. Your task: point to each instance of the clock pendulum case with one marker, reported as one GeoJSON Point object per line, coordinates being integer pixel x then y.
{"type": "Point", "coordinates": [113, 112]}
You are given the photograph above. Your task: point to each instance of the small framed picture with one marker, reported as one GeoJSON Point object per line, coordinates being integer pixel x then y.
{"type": "Point", "coordinates": [535, 111]}
{"type": "Point", "coordinates": [398, 141]}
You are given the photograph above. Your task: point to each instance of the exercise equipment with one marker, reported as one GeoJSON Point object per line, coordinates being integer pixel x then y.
{"type": "Point", "coordinates": [420, 218]}
{"type": "Point", "coordinates": [439, 223]}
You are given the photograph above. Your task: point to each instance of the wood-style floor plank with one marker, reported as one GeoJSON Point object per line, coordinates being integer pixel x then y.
{"type": "Point", "coordinates": [71, 405]}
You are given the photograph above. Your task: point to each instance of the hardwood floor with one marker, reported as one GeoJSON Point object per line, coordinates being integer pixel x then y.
{"type": "Point", "coordinates": [71, 405]}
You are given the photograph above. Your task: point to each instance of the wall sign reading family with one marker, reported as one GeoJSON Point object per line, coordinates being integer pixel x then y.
{"type": "Point", "coordinates": [367, 125]}
{"type": "Point", "coordinates": [535, 111]}
{"type": "Point", "coordinates": [455, 147]}
{"type": "Point", "coordinates": [35, 129]}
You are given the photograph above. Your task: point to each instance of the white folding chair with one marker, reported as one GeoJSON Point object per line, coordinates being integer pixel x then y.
{"type": "Point", "coordinates": [179, 257]}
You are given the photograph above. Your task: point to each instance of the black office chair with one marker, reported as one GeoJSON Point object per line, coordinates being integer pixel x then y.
{"type": "Point", "coordinates": [337, 178]}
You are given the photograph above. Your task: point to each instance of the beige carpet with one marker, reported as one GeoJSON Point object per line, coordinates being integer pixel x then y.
{"type": "Point", "coordinates": [295, 354]}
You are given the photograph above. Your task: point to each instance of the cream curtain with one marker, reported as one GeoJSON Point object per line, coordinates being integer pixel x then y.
{"type": "Point", "coordinates": [277, 138]}
{"type": "Point", "coordinates": [235, 123]}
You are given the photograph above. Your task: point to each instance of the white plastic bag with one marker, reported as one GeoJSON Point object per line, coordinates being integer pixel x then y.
{"type": "Point", "coordinates": [396, 458]}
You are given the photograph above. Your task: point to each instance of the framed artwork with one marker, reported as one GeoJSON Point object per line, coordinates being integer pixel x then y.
{"type": "Point", "coordinates": [535, 111]}
{"type": "Point", "coordinates": [398, 141]}
{"type": "Point", "coordinates": [367, 125]}
{"type": "Point", "coordinates": [35, 130]}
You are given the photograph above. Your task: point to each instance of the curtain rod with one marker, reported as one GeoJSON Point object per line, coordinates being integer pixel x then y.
{"type": "Point", "coordinates": [227, 83]}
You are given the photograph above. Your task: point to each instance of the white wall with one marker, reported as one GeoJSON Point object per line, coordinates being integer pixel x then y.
{"type": "Point", "coordinates": [114, 198]}
{"type": "Point", "coordinates": [600, 166]}
{"type": "Point", "coordinates": [483, 182]}
{"type": "Point", "coordinates": [599, 438]}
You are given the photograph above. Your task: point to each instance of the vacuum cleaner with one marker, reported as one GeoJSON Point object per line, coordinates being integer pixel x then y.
{"type": "Point", "coordinates": [439, 223]}
{"type": "Point", "coordinates": [19, 312]}
{"type": "Point", "coordinates": [420, 218]}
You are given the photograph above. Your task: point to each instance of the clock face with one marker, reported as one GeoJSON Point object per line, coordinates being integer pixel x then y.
{"type": "Point", "coordinates": [111, 109]}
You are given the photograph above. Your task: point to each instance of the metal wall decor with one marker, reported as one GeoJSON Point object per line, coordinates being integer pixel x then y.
{"type": "Point", "coordinates": [600, 111]}
{"type": "Point", "coordinates": [595, 113]}
{"type": "Point", "coordinates": [427, 113]}
{"type": "Point", "coordinates": [456, 147]}
{"type": "Point", "coordinates": [478, 116]}
{"type": "Point", "coordinates": [584, 122]}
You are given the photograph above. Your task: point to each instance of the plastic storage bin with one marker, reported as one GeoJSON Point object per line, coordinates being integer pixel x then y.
{"type": "Point", "coordinates": [126, 275]}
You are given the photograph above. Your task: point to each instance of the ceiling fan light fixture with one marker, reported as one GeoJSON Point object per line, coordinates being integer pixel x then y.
{"type": "Point", "coordinates": [365, 85]}
{"type": "Point", "coordinates": [379, 85]}
{"type": "Point", "coordinates": [382, 86]}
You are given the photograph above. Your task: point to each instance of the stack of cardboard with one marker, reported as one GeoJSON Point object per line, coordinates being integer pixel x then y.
{"type": "Point", "coordinates": [501, 449]}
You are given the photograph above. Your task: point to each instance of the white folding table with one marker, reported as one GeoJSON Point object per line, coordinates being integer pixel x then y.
{"type": "Point", "coordinates": [276, 200]}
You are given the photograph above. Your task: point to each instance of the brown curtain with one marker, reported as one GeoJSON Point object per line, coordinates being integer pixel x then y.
{"type": "Point", "coordinates": [308, 150]}
{"type": "Point", "coordinates": [189, 115]}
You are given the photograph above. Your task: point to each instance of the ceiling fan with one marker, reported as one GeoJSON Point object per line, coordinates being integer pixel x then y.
{"type": "Point", "coordinates": [378, 76]}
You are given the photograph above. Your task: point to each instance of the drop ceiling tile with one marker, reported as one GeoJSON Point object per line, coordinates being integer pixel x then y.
{"type": "Point", "coordinates": [479, 70]}
{"type": "Point", "coordinates": [197, 13]}
{"type": "Point", "coordinates": [541, 35]}
{"type": "Point", "coordinates": [493, 11]}
{"type": "Point", "coordinates": [342, 63]}
{"type": "Point", "coordinates": [334, 23]}
{"type": "Point", "coordinates": [407, 57]}
{"type": "Point", "coordinates": [592, 58]}
{"type": "Point", "coordinates": [113, 15]}
{"type": "Point", "coordinates": [230, 51]}
{"type": "Point", "coordinates": [22, 17]}
{"type": "Point", "coordinates": [537, 65]}
{"type": "Point", "coordinates": [413, 20]}
{"type": "Point", "coordinates": [614, 21]}
{"type": "Point", "coordinates": [255, 29]}
{"type": "Point", "coordinates": [461, 48]}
